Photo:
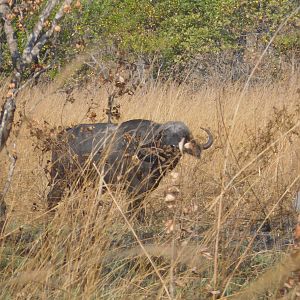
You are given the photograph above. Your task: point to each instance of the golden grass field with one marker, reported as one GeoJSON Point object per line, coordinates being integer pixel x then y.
{"type": "Point", "coordinates": [212, 244]}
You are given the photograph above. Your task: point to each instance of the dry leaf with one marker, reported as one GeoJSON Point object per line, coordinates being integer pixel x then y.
{"type": "Point", "coordinates": [170, 198]}
{"type": "Point", "coordinates": [12, 85]}
{"type": "Point", "coordinates": [215, 292]}
{"type": "Point", "coordinates": [173, 190]}
{"type": "Point", "coordinates": [46, 23]}
{"type": "Point", "coordinates": [9, 94]}
{"type": "Point", "coordinates": [297, 232]}
{"type": "Point", "coordinates": [57, 28]}
{"type": "Point", "coordinates": [78, 5]}
{"type": "Point", "coordinates": [67, 9]}
{"type": "Point", "coordinates": [174, 175]}
{"type": "Point", "coordinates": [287, 285]}
{"type": "Point", "coordinates": [169, 226]}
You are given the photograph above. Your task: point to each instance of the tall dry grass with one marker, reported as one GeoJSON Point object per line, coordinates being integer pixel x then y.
{"type": "Point", "coordinates": [87, 249]}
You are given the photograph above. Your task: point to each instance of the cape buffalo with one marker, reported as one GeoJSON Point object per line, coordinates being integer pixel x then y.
{"type": "Point", "coordinates": [136, 153]}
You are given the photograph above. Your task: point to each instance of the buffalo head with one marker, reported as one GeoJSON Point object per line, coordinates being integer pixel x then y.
{"type": "Point", "coordinates": [178, 135]}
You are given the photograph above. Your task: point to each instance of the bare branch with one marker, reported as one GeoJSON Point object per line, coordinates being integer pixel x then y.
{"type": "Point", "coordinates": [32, 49]}
{"type": "Point", "coordinates": [6, 118]}
{"type": "Point", "coordinates": [5, 14]}
{"type": "Point", "coordinates": [2, 214]}
{"type": "Point", "coordinates": [44, 38]}
{"type": "Point", "coordinates": [1, 44]}
{"type": "Point", "coordinates": [33, 46]}
{"type": "Point", "coordinates": [10, 3]}
{"type": "Point", "coordinates": [4, 2]}
{"type": "Point", "coordinates": [27, 57]}
{"type": "Point", "coordinates": [13, 159]}
{"type": "Point", "coordinates": [9, 107]}
{"type": "Point", "coordinates": [3, 207]}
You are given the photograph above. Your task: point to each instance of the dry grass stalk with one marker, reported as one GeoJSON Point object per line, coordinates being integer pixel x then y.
{"type": "Point", "coordinates": [92, 249]}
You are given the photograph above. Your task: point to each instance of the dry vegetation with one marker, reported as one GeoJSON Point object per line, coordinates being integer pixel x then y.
{"type": "Point", "coordinates": [212, 243]}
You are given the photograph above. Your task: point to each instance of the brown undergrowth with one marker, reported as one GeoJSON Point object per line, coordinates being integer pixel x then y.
{"type": "Point", "coordinates": [88, 249]}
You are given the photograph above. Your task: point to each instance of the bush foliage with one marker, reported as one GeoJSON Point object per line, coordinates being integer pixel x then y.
{"type": "Point", "coordinates": [173, 31]}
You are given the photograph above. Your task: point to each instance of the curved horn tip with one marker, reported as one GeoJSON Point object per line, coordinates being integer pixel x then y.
{"type": "Point", "coordinates": [210, 141]}
{"type": "Point", "coordinates": [181, 145]}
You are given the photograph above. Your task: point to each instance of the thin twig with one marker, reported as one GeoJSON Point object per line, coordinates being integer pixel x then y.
{"type": "Point", "coordinates": [229, 184]}
{"type": "Point", "coordinates": [215, 276]}
{"type": "Point", "coordinates": [260, 227]}
{"type": "Point", "coordinates": [248, 82]}
{"type": "Point", "coordinates": [249, 164]}
{"type": "Point", "coordinates": [36, 74]}
{"type": "Point", "coordinates": [271, 279]}
{"type": "Point", "coordinates": [136, 237]}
